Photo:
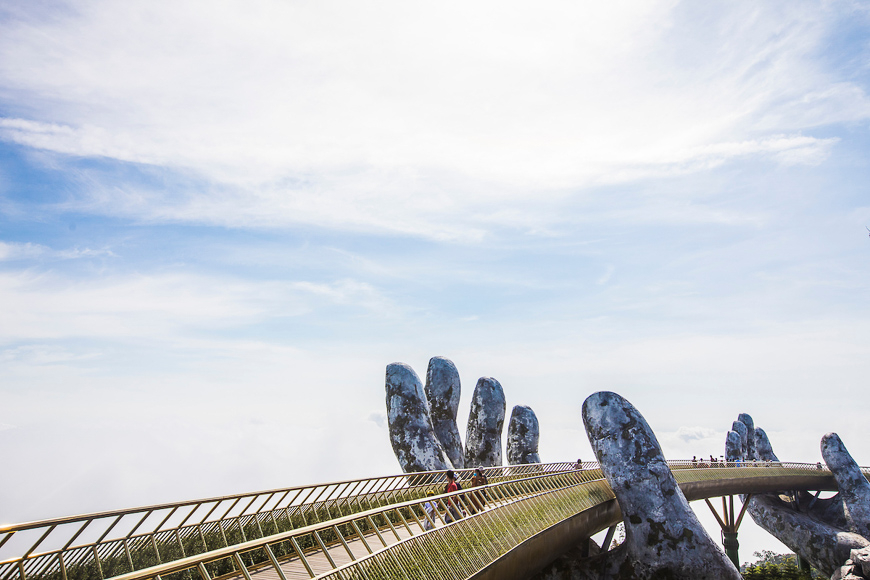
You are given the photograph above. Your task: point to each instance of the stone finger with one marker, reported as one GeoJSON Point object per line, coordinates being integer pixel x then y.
{"type": "Point", "coordinates": [442, 392]}
{"type": "Point", "coordinates": [485, 424]}
{"type": "Point", "coordinates": [663, 537]}
{"type": "Point", "coordinates": [411, 433]}
{"type": "Point", "coordinates": [523, 436]}
{"type": "Point", "coordinates": [853, 486]}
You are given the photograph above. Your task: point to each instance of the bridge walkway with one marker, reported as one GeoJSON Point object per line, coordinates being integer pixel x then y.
{"type": "Point", "coordinates": [535, 511]}
{"type": "Point", "coordinates": [529, 522]}
{"type": "Point", "coordinates": [106, 544]}
{"type": "Point", "coordinates": [293, 568]}
{"type": "Point", "coordinates": [345, 553]}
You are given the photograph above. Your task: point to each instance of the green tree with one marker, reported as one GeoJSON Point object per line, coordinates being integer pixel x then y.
{"type": "Point", "coordinates": [771, 566]}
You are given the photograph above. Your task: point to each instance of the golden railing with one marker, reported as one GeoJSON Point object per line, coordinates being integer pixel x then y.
{"type": "Point", "coordinates": [392, 540]}
{"type": "Point", "coordinates": [385, 542]}
{"type": "Point", "coordinates": [105, 544]}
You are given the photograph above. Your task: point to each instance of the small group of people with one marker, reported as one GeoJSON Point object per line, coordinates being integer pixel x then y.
{"type": "Point", "coordinates": [721, 462]}
{"type": "Point", "coordinates": [456, 508]}
{"type": "Point", "coordinates": [701, 463]}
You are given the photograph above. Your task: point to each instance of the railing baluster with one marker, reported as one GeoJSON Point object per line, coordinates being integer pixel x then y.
{"type": "Point", "coordinates": [302, 557]}
{"type": "Point", "coordinates": [361, 536]}
{"type": "Point", "coordinates": [392, 527]}
{"type": "Point", "coordinates": [202, 571]}
{"type": "Point", "coordinates": [7, 537]}
{"type": "Point", "coordinates": [242, 568]}
{"type": "Point", "coordinates": [323, 548]}
{"type": "Point", "coordinates": [343, 542]}
{"type": "Point", "coordinates": [377, 531]}
{"type": "Point", "coordinates": [404, 521]}
{"type": "Point", "coordinates": [156, 551]}
{"type": "Point", "coordinates": [202, 536]}
{"type": "Point", "coordinates": [274, 562]}
{"type": "Point", "coordinates": [96, 559]}
{"type": "Point", "coordinates": [129, 556]}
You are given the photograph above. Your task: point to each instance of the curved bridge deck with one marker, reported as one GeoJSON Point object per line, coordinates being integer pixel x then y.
{"type": "Point", "coordinates": [526, 516]}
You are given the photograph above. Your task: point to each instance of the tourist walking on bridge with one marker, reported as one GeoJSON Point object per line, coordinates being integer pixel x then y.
{"type": "Point", "coordinates": [453, 510]}
{"type": "Point", "coordinates": [478, 499]}
{"type": "Point", "coordinates": [429, 506]}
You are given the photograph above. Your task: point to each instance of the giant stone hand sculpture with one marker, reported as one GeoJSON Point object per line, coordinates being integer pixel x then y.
{"type": "Point", "coordinates": [663, 537]}
{"type": "Point", "coordinates": [422, 422]}
{"type": "Point", "coordinates": [825, 532]}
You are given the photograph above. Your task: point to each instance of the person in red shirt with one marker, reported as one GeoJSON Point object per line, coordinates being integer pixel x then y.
{"type": "Point", "coordinates": [453, 511]}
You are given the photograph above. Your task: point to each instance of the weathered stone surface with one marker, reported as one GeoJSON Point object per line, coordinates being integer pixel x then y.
{"type": "Point", "coordinates": [741, 429]}
{"type": "Point", "coordinates": [861, 560]}
{"type": "Point", "coordinates": [485, 424]}
{"type": "Point", "coordinates": [523, 436]}
{"type": "Point", "coordinates": [663, 537]}
{"type": "Point", "coordinates": [762, 446]}
{"type": "Point", "coordinates": [442, 392]}
{"type": "Point", "coordinates": [857, 567]}
{"type": "Point", "coordinates": [853, 486]}
{"type": "Point", "coordinates": [751, 453]}
{"type": "Point", "coordinates": [411, 432]}
{"type": "Point", "coordinates": [821, 534]}
{"type": "Point", "coordinates": [825, 547]}
{"type": "Point", "coordinates": [849, 571]}
{"type": "Point", "coordinates": [733, 446]}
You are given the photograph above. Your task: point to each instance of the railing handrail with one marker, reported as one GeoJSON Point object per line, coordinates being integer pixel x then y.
{"type": "Point", "coordinates": [424, 480]}
{"type": "Point", "coordinates": [221, 553]}
{"type": "Point", "coordinates": [259, 509]}
{"type": "Point", "coordinates": [157, 507]}
{"type": "Point", "coordinates": [22, 526]}
{"type": "Point", "coordinates": [757, 469]}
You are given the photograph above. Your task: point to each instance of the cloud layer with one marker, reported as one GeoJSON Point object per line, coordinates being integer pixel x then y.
{"type": "Point", "coordinates": [379, 117]}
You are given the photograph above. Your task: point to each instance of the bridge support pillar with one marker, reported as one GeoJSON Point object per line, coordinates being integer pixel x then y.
{"type": "Point", "coordinates": [731, 545]}
{"type": "Point", "coordinates": [729, 522]}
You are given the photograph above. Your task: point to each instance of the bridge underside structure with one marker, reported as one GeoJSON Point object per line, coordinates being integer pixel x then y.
{"type": "Point", "coordinates": [370, 528]}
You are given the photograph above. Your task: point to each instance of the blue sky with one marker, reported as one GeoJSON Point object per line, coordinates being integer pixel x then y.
{"type": "Point", "coordinates": [220, 221]}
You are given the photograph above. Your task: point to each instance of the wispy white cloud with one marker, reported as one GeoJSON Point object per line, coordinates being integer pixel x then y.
{"type": "Point", "coordinates": [10, 251]}
{"type": "Point", "coordinates": [604, 278]}
{"type": "Point", "coordinates": [43, 354]}
{"type": "Point", "coordinates": [688, 434]}
{"type": "Point", "coordinates": [411, 120]}
{"type": "Point", "coordinates": [17, 251]}
{"type": "Point", "coordinates": [51, 306]}
{"type": "Point", "coordinates": [347, 292]}
{"type": "Point", "coordinates": [378, 418]}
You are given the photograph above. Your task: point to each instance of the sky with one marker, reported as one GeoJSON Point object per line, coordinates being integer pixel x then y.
{"type": "Point", "coordinates": [220, 221]}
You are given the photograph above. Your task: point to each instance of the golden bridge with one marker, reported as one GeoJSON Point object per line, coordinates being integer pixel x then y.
{"type": "Point", "coordinates": [372, 528]}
